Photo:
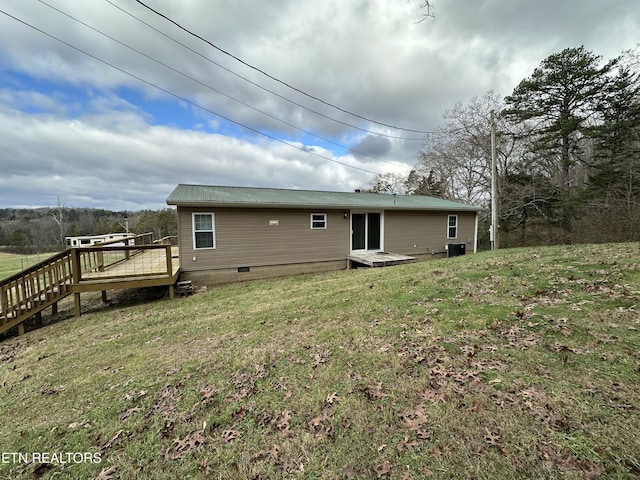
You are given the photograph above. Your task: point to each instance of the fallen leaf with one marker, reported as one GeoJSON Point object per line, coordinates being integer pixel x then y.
{"type": "Point", "coordinates": [351, 471]}
{"type": "Point", "coordinates": [491, 437]}
{"type": "Point", "coordinates": [373, 392]}
{"type": "Point", "coordinates": [383, 469]}
{"type": "Point", "coordinates": [321, 356]}
{"type": "Point", "coordinates": [47, 389]}
{"type": "Point", "coordinates": [114, 441]}
{"type": "Point", "coordinates": [107, 473]}
{"type": "Point", "coordinates": [208, 393]}
{"type": "Point", "coordinates": [124, 416]}
{"type": "Point", "coordinates": [190, 442]}
{"type": "Point", "coordinates": [230, 435]}
{"type": "Point", "coordinates": [406, 444]}
{"type": "Point", "coordinates": [332, 398]}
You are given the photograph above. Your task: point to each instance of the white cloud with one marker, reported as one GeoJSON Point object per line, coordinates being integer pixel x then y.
{"type": "Point", "coordinates": [69, 128]}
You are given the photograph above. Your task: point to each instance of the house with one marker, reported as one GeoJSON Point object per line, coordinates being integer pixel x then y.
{"type": "Point", "coordinates": [228, 234]}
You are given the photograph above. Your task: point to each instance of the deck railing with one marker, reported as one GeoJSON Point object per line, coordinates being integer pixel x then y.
{"type": "Point", "coordinates": [169, 239]}
{"type": "Point", "coordinates": [34, 288]}
{"type": "Point", "coordinates": [109, 262]}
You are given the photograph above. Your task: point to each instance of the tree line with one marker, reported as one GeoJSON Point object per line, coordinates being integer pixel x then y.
{"type": "Point", "coordinates": [45, 229]}
{"type": "Point", "coordinates": [567, 150]}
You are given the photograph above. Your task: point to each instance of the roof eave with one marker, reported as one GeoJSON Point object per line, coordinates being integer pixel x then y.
{"type": "Point", "coordinates": [213, 204]}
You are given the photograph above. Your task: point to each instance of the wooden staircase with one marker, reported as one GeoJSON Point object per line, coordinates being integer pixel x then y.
{"type": "Point", "coordinates": [26, 294]}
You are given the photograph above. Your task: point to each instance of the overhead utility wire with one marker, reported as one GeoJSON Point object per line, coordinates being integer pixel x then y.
{"type": "Point", "coordinates": [274, 78]}
{"type": "Point", "coordinates": [284, 142]}
{"type": "Point", "coordinates": [210, 87]}
{"type": "Point", "coordinates": [260, 86]}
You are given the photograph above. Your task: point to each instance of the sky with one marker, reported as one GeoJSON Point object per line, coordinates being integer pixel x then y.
{"type": "Point", "coordinates": [108, 104]}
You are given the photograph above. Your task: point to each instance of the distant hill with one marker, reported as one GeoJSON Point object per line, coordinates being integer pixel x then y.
{"type": "Point", "coordinates": [44, 229]}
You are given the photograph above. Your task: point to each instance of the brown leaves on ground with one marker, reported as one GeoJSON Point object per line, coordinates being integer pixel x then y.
{"type": "Point", "coordinates": [186, 445]}
{"type": "Point", "coordinates": [321, 424]}
{"type": "Point", "coordinates": [48, 389]}
{"type": "Point", "coordinates": [8, 352]}
{"type": "Point", "coordinates": [536, 401]}
{"type": "Point", "coordinates": [208, 394]}
{"type": "Point", "coordinates": [107, 473]}
{"type": "Point", "coordinates": [373, 392]}
{"type": "Point", "coordinates": [278, 422]}
{"type": "Point", "coordinates": [244, 382]}
{"type": "Point", "coordinates": [124, 416]}
{"type": "Point", "coordinates": [113, 441]}
{"type": "Point", "coordinates": [416, 421]}
{"type": "Point", "coordinates": [491, 437]}
{"type": "Point", "coordinates": [567, 462]}
{"type": "Point", "coordinates": [275, 455]}
{"type": "Point", "coordinates": [320, 356]}
{"type": "Point", "coordinates": [229, 435]}
{"type": "Point", "coordinates": [166, 401]}
{"type": "Point", "coordinates": [383, 469]}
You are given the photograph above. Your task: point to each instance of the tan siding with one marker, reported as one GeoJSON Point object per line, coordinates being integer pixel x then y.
{"type": "Point", "coordinates": [245, 238]}
{"type": "Point", "coordinates": [418, 233]}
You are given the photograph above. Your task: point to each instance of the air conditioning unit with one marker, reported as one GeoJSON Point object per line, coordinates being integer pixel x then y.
{"type": "Point", "coordinates": [455, 249]}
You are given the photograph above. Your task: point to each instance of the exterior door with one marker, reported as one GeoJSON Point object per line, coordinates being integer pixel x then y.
{"type": "Point", "coordinates": [366, 231]}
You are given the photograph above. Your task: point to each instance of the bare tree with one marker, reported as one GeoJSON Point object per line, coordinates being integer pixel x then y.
{"type": "Point", "coordinates": [388, 183]}
{"type": "Point", "coordinates": [59, 219]}
{"type": "Point", "coordinates": [428, 8]}
{"type": "Point", "coordinates": [459, 152]}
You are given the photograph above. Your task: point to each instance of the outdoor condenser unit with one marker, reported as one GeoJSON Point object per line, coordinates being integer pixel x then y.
{"type": "Point", "coordinates": [455, 249]}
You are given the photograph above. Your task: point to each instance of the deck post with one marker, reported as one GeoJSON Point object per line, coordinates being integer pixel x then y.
{"type": "Point", "coordinates": [54, 308]}
{"type": "Point", "coordinates": [75, 266]}
{"type": "Point", "coordinates": [76, 304]}
{"type": "Point", "coordinates": [4, 304]}
{"type": "Point", "coordinates": [104, 296]}
{"type": "Point", "coordinates": [21, 328]}
{"type": "Point", "coordinates": [168, 256]}
{"type": "Point", "coordinates": [38, 317]}
{"type": "Point", "coordinates": [172, 291]}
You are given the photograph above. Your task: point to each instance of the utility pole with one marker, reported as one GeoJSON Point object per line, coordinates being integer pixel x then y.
{"type": "Point", "coordinates": [493, 233]}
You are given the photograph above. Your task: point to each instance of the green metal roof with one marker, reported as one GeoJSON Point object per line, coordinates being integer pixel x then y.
{"type": "Point", "coordinates": [211, 196]}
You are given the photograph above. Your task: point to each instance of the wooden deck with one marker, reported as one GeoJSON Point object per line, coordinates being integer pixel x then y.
{"type": "Point", "coordinates": [379, 259]}
{"type": "Point", "coordinates": [149, 262]}
{"type": "Point", "coordinates": [134, 263]}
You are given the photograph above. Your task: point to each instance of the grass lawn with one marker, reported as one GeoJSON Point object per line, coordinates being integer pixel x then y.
{"type": "Point", "coordinates": [512, 364]}
{"type": "Point", "coordinates": [11, 263]}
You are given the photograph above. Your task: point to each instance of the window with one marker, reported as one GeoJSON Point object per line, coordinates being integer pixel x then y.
{"type": "Point", "coordinates": [318, 221]}
{"type": "Point", "coordinates": [452, 227]}
{"type": "Point", "coordinates": [203, 231]}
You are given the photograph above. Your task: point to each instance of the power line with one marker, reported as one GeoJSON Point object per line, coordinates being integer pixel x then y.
{"type": "Point", "coordinates": [260, 86]}
{"type": "Point", "coordinates": [308, 132]}
{"type": "Point", "coordinates": [274, 78]}
{"type": "Point", "coordinates": [302, 149]}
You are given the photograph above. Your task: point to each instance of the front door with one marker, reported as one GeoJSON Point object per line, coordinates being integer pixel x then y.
{"type": "Point", "coordinates": [366, 231]}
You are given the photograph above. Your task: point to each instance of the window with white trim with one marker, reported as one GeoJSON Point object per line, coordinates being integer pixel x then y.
{"type": "Point", "coordinates": [204, 235]}
{"type": "Point", "coordinates": [318, 221]}
{"type": "Point", "coordinates": [452, 226]}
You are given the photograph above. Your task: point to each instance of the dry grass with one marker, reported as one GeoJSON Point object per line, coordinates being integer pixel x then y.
{"type": "Point", "coordinates": [514, 364]}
